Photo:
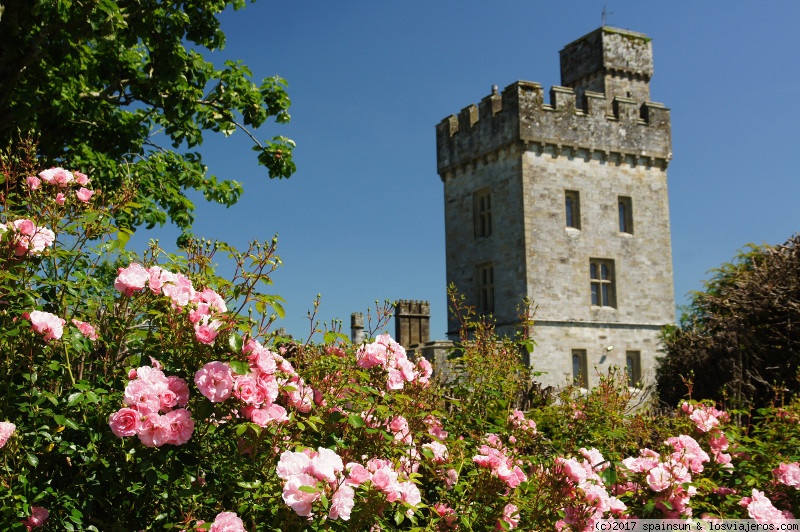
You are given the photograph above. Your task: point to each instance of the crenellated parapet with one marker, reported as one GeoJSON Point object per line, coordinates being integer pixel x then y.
{"type": "Point", "coordinates": [620, 129]}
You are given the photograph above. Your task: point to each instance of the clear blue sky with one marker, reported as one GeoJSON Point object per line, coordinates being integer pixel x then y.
{"type": "Point", "coordinates": [363, 219]}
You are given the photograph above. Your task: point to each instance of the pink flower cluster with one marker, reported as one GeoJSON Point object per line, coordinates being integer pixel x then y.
{"type": "Point", "coordinates": [708, 420]}
{"type": "Point", "coordinates": [155, 409]}
{"type": "Point", "coordinates": [669, 476]}
{"type": "Point", "coordinates": [62, 178]}
{"type": "Point", "coordinates": [391, 356]}
{"type": "Point", "coordinates": [307, 475]}
{"type": "Point", "coordinates": [27, 238]}
{"type": "Point", "coordinates": [205, 307]}
{"type": "Point", "coordinates": [582, 478]}
{"type": "Point", "coordinates": [37, 518]}
{"type": "Point", "coordinates": [86, 329]}
{"type": "Point", "coordinates": [788, 474]}
{"type": "Point", "coordinates": [385, 477]}
{"type": "Point", "coordinates": [227, 522]}
{"type": "Point", "coordinates": [510, 517]}
{"type": "Point", "coordinates": [49, 326]}
{"type": "Point", "coordinates": [517, 420]}
{"type": "Point", "coordinates": [270, 377]}
{"type": "Point", "coordinates": [760, 508]}
{"type": "Point", "coordinates": [449, 519]}
{"type": "Point", "coordinates": [493, 456]}
{"type": "Point", "coordinates": [6, 430]}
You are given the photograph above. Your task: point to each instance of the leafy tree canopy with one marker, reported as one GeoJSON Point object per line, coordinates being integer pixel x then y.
{"type": "Point", "coordinates": [119, 89]}
{"type": "Point", "coordinates": [739, 340]}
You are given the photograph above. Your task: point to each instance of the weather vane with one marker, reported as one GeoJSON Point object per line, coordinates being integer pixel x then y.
{"type": "Point", "coordinates": [605, 14]}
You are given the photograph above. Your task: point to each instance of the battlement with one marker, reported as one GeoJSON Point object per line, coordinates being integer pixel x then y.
{"type": "Point", "coordinates": [407, 307]}
{"type": "Point", "coordinates": [586, 121]}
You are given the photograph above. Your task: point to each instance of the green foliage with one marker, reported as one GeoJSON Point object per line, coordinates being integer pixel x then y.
{"type": "Point", "coordinates": [119, 88]}
{"type": "Point", "coordinates": [737, 341]}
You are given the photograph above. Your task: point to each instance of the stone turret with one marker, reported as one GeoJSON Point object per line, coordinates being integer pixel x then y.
{"type": "Point", "coordinates": [357, 333]}
{"type": "Point", "coordinates": [412, 322]}
{"type": "Point", "coordinates": [617, 63]}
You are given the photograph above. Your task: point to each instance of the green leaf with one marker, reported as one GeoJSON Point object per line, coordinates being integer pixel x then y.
{"type": "Point", "coordinates": [235, 343]}
{"type": "Point", "coordinates": [239, 367]}
{"type": "Point", "coordinates": [356, 421]}
{"type": "Point", "coordinates": [32, 459]}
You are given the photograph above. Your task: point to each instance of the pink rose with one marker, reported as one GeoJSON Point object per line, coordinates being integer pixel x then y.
{"type": "Point", "coordinates": [761, 509]}
{"type": "Point", "coordinates": [788, 474]}
{"type": "Point", "coordinates": [179, 289]}
{"type": "Point", "coordinates": [357, 474]}
{"type": "Point", "coordinates": [179, 426]}
{"type": "Point", "coordinates": [87, 330]}
{"type": "Point", "coordinates": [325, 464]}
{"type": "Point", "coordinates": [37, 518]}
{"type": "Point", "coordinates": [49, 326]}
{"type": "Point", "coordinates": [342, 503]}
{"type": "Point", "coordinates": [300, 500]}
{"type": "Point", "coordinates": [6, 430]}
{"type": "Point", "coordinates": [84, 194]}
{"type": "Point", "coordinates": [60, 198]}
{"type": "Point", "coordinates": [439, 451]}
{"type": "Point", "coordinates": [227, 522]}
{"type": "Point", "coordinates": [206, 333]}
{"type": "Point", "coordinates": [154, 430]}
{"type": "Point", "coordinates": [57, 176]}
{"type": "Point", "coordinates": [33, 182]}
{"type": "Point", "coordinates": [451, 478]}
{"type": "Point", "coordinates": [124, 422]}
{"type": "Point", "coordinates": [292, 463]}
{"type": "Point", "coordinates": [179, 387]}
{"type": "Point", "coordinates": [409, 493]}
{"type": "Point", "coordinates": [81, 178]}
{"type": "Point", "coordinates": [31, 239]}
{"type": "Point", "coordinates": [215, 381]}
{"type": "Point", "coordinates": [131, 279]}
{"type": "Point", "coordinates": [510, 516]}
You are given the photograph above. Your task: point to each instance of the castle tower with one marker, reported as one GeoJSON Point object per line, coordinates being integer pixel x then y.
{"type": "Point", "coordinates": [412, 322]}
{"type": "Point", "coordinates": [565, 203]}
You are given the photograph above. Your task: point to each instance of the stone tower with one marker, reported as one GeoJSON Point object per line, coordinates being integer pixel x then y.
{"type": "Point", "coordinates": [565, 203]}
{"type": "Point", "coordinates": [412, 322]}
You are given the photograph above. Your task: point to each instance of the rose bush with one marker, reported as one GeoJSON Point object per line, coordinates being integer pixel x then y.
{"type": "Point", "coordinates": [146, 392]}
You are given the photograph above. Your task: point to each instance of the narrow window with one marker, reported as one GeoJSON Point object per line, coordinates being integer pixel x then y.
{"type": "Point", "coordinates": [625, 206]}
{"type": "Point", "coordinates": [572, 208]}
{"type": "Point", "coordinates": [633, 362]}
{"type": "Point", "coordinates": [601, 274]}
{"type": "Point", "coordinates": [580, 373]}
{"type": "Point", "coordinates": [482, 209]}
{"type": "Point", "coordinates": [485, 289]}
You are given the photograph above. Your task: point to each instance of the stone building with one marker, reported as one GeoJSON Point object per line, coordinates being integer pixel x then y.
{"type": "Point", "coordinates": [565, 203]}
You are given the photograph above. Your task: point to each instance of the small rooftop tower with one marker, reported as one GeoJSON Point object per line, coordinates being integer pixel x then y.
{"type": "Point", "coordinates": [614, 62]}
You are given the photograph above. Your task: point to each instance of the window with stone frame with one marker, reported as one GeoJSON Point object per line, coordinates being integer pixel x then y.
{"type": "Point", "coordinates": [633, 364]}
{"type": "Point", "coordinates": [625, 208]}
{"type": "Point", "coordinates": [485, 288]}
{"type": "Point", "coordinates": [580, 369]}
{"type": "Point", "coordinates": [602, 283]}
{"type": "Point", "coordinates": [482, 213]}
{"type": "Point", "coordinates": [572, 208]}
